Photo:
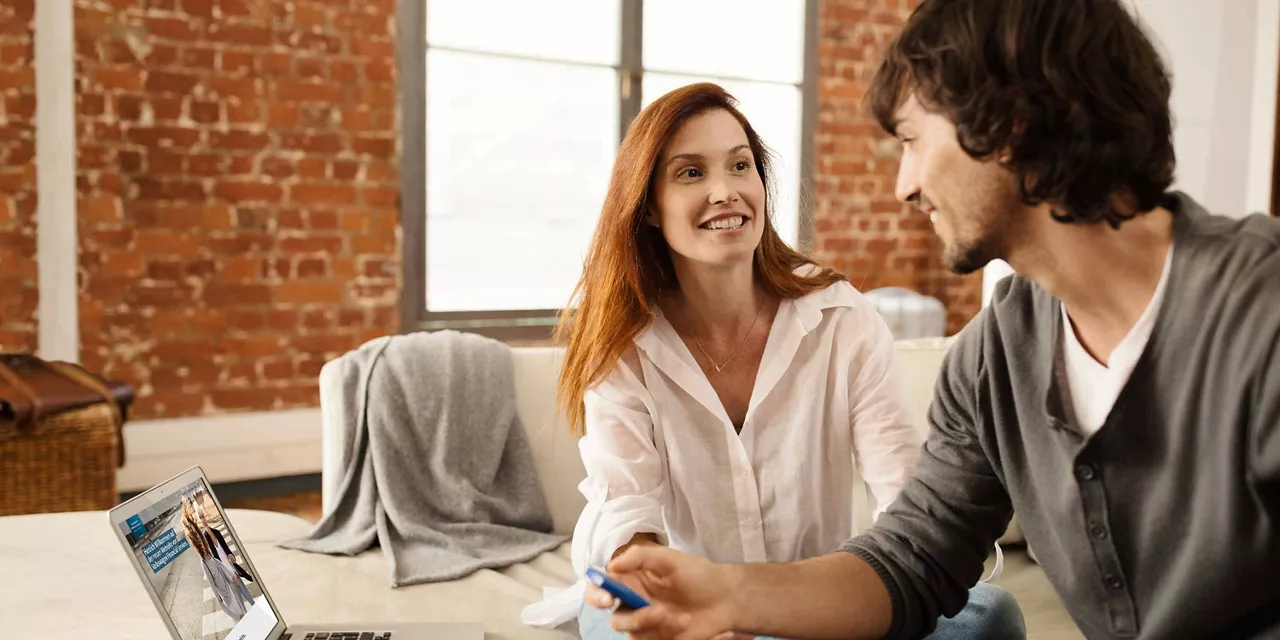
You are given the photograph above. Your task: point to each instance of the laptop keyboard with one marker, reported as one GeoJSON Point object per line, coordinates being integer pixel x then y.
{"type": "Point", "coordinates": [344, 635]}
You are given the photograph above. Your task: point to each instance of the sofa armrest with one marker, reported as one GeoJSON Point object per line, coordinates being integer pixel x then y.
{"type": "Point", "coordinates": [333, 437]}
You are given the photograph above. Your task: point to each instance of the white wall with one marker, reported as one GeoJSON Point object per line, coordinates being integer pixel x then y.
{"type": "Point", "coordinates": [1223, 55]}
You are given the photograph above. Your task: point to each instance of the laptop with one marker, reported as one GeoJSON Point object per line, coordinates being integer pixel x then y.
{"type": "Point", "coordinates": [203, 582]}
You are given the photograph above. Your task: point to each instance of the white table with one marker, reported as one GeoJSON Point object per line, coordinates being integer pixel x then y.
{"type": "Point", "coordinates": [65, 576]}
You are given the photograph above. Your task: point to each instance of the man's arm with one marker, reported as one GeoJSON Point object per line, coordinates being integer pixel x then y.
{"type": "Point", "coordinates": [832, 596]}
{"type": "Point", "coordinates": [929, 546]}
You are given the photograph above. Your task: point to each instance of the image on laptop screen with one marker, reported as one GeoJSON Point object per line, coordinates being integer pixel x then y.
{"type": "Point", "coordinates": [196, 568]}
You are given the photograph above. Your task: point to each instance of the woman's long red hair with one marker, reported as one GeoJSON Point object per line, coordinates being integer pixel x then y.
{"type": "Point", "coordinates": [628, 266]}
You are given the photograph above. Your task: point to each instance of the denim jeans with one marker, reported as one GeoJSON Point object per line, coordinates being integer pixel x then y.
{"type": "Point", "coordinates": [991, 614]}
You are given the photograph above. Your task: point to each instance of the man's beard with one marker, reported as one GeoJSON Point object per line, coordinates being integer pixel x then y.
{"type": "Point", "coordinates": [964, 258]}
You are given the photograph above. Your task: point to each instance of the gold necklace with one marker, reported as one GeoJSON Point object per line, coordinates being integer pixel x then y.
{"type": "Point", "coordinates": [720, 367]}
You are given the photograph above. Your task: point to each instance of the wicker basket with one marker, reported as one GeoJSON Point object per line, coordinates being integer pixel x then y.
{"type": "Point", "coordinates": [66, 463]}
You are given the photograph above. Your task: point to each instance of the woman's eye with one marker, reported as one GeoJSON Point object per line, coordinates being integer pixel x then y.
{"type": "Point", "coordinates": [691, 172]}
{"type": "Point", "coordinates": [741, 165]}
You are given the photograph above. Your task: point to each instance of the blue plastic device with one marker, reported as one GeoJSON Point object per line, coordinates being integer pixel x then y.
{"type": "Point", "coordinates": [630, 599]}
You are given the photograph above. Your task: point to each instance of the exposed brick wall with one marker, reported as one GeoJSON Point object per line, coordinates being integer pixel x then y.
{"type": "Point", "coordinates": [859, 227]}
{"type": "Point", "coordinates": [238, 183]}
{"type": "Point", "coordinates": [18, 294]}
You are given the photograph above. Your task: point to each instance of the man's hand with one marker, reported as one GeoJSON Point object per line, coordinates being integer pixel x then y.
{"type": "Point", "coordinates": [689, 596]}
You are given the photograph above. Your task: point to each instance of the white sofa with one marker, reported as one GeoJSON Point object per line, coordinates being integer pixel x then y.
{"type": "Point", "coordinates": [555, 450]}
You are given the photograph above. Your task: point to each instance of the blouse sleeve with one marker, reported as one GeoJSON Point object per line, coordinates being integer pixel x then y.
{"type": "Point", "coordinates": [886, 440]}
{"type": "Point", "coordinates": [626, 478]}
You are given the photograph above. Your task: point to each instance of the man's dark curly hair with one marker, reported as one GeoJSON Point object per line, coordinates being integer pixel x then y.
{"type": "Point", "coordinates": [1072, 90]}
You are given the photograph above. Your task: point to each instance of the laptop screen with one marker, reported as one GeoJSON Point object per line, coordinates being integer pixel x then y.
{"type": "Point", "coordinates": [197, 568]}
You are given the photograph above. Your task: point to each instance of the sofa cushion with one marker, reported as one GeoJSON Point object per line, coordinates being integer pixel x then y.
{"type": "Point", "coordinates": [919, 362]}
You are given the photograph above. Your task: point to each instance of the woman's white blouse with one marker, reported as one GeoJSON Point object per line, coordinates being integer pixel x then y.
{"type": "Point", "coordinates": [662, 456]}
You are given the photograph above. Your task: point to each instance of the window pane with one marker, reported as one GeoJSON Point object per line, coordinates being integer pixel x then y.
{"type": "Point", "coordinates": [518, 161]}
{"type": "Point", "coordinates": [756, 39]}
{"type": "Point", "coordinates": [774, 112]}
{"type": "Point", "coordinates": [569, 30]}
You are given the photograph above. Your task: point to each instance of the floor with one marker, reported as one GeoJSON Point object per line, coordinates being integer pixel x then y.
{"type": "Point", "coordinates": [305, 505]}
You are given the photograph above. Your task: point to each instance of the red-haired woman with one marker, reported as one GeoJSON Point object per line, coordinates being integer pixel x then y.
{"type": "Point", "coordinates": [729, 391]}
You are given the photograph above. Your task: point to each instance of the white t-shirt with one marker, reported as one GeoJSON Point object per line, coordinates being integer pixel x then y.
{"type": "Point", "coordinates": [1095, 387]}
{"type": "Point", "coordinates": [662, 456]}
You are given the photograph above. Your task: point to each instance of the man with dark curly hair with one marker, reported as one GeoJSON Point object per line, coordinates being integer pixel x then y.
{"type": "Point", "coordinates": [1121, 393]}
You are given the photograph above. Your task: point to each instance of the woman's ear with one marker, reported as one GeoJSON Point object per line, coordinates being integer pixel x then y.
{"type": "Point", "coordinates": [652, 218]}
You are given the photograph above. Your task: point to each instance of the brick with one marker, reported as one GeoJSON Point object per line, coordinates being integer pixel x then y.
{"type": "Point", "coordinates": [163, 242]}
{"type": "Point", "coordinates": [205, 164]}
{"type": "Point", "coordinates": [289, 219]}
{"type": "Point", "coordinates": [164, 136]}
{"type": "Point", "coordinates": [310, 67]}
{"type": "Point", "coordinates": [246, 320]}
{"type": "Point", "coordinates": [249, 191]}
{"type": "Point", "coordinates": [381, 196]}
{"type": "Point", "coordinates": [237, 61]}
{"type": "Point", "coordinates": [166, 108]}
{"type": "Point", "coordinates": [307, 395]}
{"type": "Point", "coordinates": [282, 116]}
{"type": "Point", "coordinates": [221, 294]}
{"type": "Point", "coordinates": [205, 112]}
{"type": "Point", "coordinates": [240, 165]}
{"type": "Point", "coordinates": [168, 28]}
{"type": "Point", "coordinates": [317, 116]}
{"type": "Point", "coordinates": [377, 97]}
{"type": "Point", "coordinates": [130, 107]}
{"type": "Point", "coordinates": [201, 8]}
{"type": "Point", "coordinates": [239, 268]}
{"type": "Point", "coordinates": [317, 319]}
{"type": "Point", "coordinates": [382, 70]}
{"type": "Point", "coordinates": [168, 270]}
{"type": "Point", "coordinates": [313, 168]}
{"type": "Point", "coordinates": [161, 55]}
{"type": "Point", "coordinates": [159, 294]}
{"type": "Point", "coordinates": [311, 244]}
{"type": "Point", "coordinates": [239, 139]}
{"type": "Point", "coordinates": [247, 399]}
{"type": "Point", "coordinates": [239, 33]}
{"type": "Point", "coordinates": [278, 370]}
{"type": "Point", "coordinates": [277, 63]}
{"type": "Point", "coordinates": [322, 220]}
{"type": "Point", "coordinates": [89, 104]}
{"type": "Point", "coordinates": [283, 319]}
{"type": "Point", "coordinates": [381, 171]}
{"type": "Point", "coordinates": [254, 347]}
{"type": "Point", "coordinates": [243, 88]}
{"type": "Point", "coordinates": [373, 48]}
{"type": "Point", "coordinates": [245, 8]}
{"type": "Point", "coordinates": [277, 167]}
{"type": "Point", "coordinates": [379, 147]}
{"type": "Point", "coordinates": [237, 243]}
{"type": "Point", "coordinates": [344, 71]}
{"type": "Point", "coordinates": [199, 58]}
{"type": "Point", "coordinates": [310, 41]}
{"type": "Point", "coordinates": [307, 16]}
{"type": "Point", "coordinates": [323, 345]}
{"type": "Point", "coordinates": [118, 79]}
{"type": "Point", "coordinates": [294, 91]}
{"type": "Point", "coordinates": [243, 112]}
{"type": "Point", "coordinates": [100, 208]}
{"type": "Point", "coordinates": [313, 143]}
{"type": "Point", "coordinates": [171, 82]}
{"type": "Point", "coordinates": [330, 194]}
{"type": "Point", "coordinates": [345, 169]}
{"type": "Point", "coordinates": [310, 268]}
